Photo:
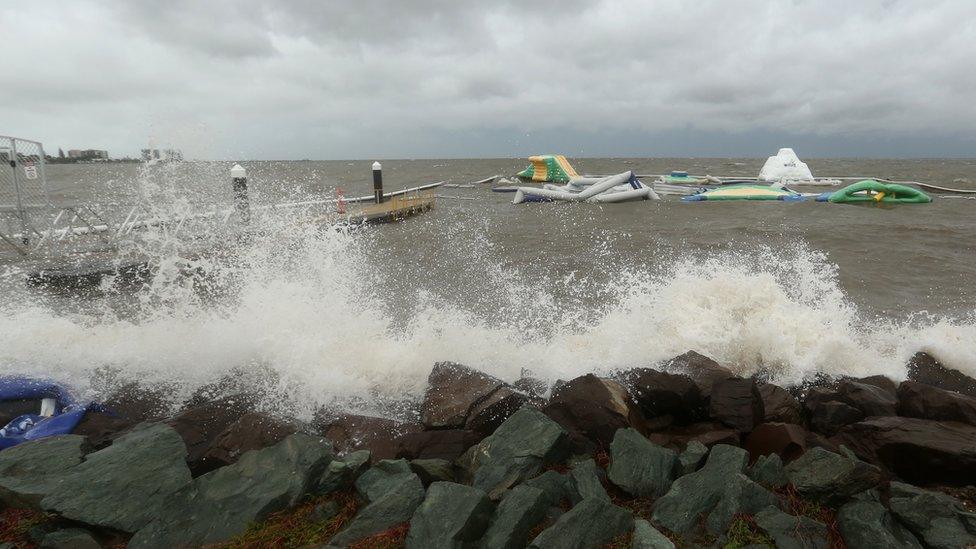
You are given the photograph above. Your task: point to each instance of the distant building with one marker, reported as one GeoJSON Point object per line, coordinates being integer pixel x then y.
{"type": "Point", "coordinates": [153, 156]}
{"type": "Point", "coordinates": [88, 154]}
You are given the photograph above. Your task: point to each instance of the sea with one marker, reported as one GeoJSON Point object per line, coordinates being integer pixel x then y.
{"type": "Point", "coordinates": [315, 315]}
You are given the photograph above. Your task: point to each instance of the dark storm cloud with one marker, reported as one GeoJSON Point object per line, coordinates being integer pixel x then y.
{"type": "Point", "coordinates": [313, 79]}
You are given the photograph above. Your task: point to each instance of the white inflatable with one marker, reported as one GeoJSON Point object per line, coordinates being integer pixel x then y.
{"type": "Point", "coordinates": [785, 166]}
{"type": "Point", "coordinates": [615, 188]}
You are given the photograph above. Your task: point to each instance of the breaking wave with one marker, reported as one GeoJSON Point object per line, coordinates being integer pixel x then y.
{"type": "Point", "coordinates": [297, 308]}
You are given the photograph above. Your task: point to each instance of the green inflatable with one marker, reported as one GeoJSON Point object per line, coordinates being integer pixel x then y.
{"type": "Point", "coordinates": [869, 190]}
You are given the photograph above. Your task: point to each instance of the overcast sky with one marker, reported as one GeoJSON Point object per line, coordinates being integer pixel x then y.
{"type": "Point", "coordinates": [324, 79]}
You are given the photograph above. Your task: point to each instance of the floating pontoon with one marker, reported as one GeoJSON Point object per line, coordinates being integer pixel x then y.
{"type": "Point", "coordinates": [623, 187]}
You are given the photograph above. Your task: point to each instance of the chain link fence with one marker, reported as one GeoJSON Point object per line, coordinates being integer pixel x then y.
{"type": "Point", "coordinates": [24, 196]}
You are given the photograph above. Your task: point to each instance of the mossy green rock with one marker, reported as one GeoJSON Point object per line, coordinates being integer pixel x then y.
{"type": "Point", "coordinates": [638, 466]}
{"type": "Point", "coordinates": [939, 520]}
{"type": "Point", "coordinates": [31, 470]}
{"type": "Point", "coordinates": [833, 478]}
{"type": "Point", "coordinates": [867, 524]}
{"type": "Point", "coordinates": [451, 516]}
{"type": "Point", "coordinates": [520, 510]}
{"type": "Point", "coordinates": [790, 532]}
{"type": "Point", "coordinates": [593, 522]}
{"type": "Point", "coordinates": [648, 537]}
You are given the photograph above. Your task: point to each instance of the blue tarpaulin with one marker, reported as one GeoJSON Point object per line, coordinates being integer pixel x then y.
{"type": "Point", "coordinates": [66, 414]}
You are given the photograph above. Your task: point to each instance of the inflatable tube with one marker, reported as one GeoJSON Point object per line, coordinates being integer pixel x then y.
{"type": "Point", "coordinates": [885, 193]}
{"type": "Point", "coordinates": [634, 194]}
{"type": "Point", "coordinates": [603, 185]}
{"type": "Point", "coordinates": [57, 413]}
{"type": "Point", "coordinates": [745, 192]}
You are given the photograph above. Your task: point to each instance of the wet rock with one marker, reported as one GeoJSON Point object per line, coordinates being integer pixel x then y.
{"type": "Point", "coordinates": [223, 503]}
{"type": "Point", "coordinates": [790, 532]}
{"type": "Point", "coordinates": [691, 458]}
{"type": "Point", "coordinates": [697, 494]}
{"type": "Point", "coordinates": [520, 510]}
{"type": "Point", "coordinates": [252, 431]}
{"type": "Point", "coordinates": [660, 393]}
{"type": "Point", "coordinates": [829, 477]}
{"type": "Point", "coordinates": [382, 477]}
{"type": "Point", "coordinates": [736, 402]}
{"type": "Point", "coordinates": [923, 401]}
{"type": "Point", "coordinates": [32, 470]}
{"type": "Point", "coordinates": [910, 447]}
{"type": "Point", "coordinates": [100, 429]}
{"type": "Point", "coordinates": [779, 406]}
{"type": "Point", "coordinates": [924, 368]}
{"type": "Point", "coordinates": [126, 485]}
{"type": "Point", "coordinates": [487, 415]}
{"type": "Point", "coordinates": [452, 392]}
{"type": "Point", "coordinates": [69, 538]}
{"type": "Point", "coordinates": [433, 470]}
{"type": "Point", "coordinates": [594, 407]}
{"type": "Point", "coordinates": [709, 434]}
{"type": "Point", "coordinates": [640, 467]}
{"type": "Point", "coordinates": [351, 432]}
{"type": "Point", "coordinates": [869, 399]}
{"type": "Point", "coordinates": [938, 520]}
{"type": "Point", "coordinates": [517, 450]}
{"type": "Point", "coordinates": [591, 523]}
{"type": "Point", "coordinates": [385, 510]}
{"type": "Point", "coordinates": [881, 382]}
{"type": "Point", "coordinates": [648, 537]}
{"type": "Point", "coordinates": [786, 440]}
{"type": "Point", "coordinates": [451, 515]}
{"type": "Point", "coordinates": [741, 496]}
{"type": "Point", "coordinates": [585, 478]}
{"type": "Point", "coordinates": [829, 417]}
{"type": "Point", "coordinates": [701, 369]}
{"type": "Point", "coordinates": [867, 524]}
{"type": "Point", "coordinates": [136, 404]}
{"type": "Point", "coordinates": [558, 488]}
{"type": "Point", "coordinates": [342, 473]}
{"type": "Point", "coordinates": [531, 386]}
{"type": "Point", "coordinates": [768, 471]}
{"type": "Point", "coordinates": [447, 444]}
{"type": "Point", "coordinates": [199, 426]}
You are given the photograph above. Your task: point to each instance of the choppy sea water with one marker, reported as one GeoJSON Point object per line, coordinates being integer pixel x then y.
{"type": "Point", "coordinates": [315, 315]}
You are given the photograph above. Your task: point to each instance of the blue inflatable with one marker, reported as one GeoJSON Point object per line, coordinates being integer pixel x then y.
{"type": "Point", "coordinates": [57, 413]}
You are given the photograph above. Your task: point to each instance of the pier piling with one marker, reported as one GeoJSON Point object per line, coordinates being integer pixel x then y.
{"type": "Point", "coordinates": [377, 182]}
{"type": "Point", "coordinates": [239, 179]}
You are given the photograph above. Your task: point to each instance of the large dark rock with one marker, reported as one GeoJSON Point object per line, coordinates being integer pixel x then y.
{"type": "Point", "coordinates": [594, 407]}
{"type": "Point", "coordinates": [394, 505]}
{"type": "Point", "coordinates": [924, 368]}
{"type": "Point", "coordinates": [787, 440]}
{"type": "Point", "coordinates": [100, 428]}
{"type": "Point", "coordinates": [252, 431]}
{"type": "Point", "coordinates": [830, 416]}
{"type": "Point", "coordinates": [701, 369]}
{"type": "Point", "coordinates": [591, 523]}
{"type": "Point", "coordinates": [433, 470]}
{"type": "Point", "coordinates": [135, 403]}
{"type": "Point", "coordinates": [640, 467]}
{"type": "Point", "coordinates": [866, 524]}
{"type": "Point", "coordinates": [517, 451]}
{"type": "Point", "coordinates": [660, 393]}
{"type": "Point", "coordinates": [779, 406]}
{"type": "Point", "coordinates": [451, 515]}
{"type": "Point", "coordinates": [648, 537]}
{"type": "Point", "coordinates": [492, 411]}
{"type": "Point", "coordinates": [829, 477]}
{"type": "Point", "coordinates": [223, 503]}
{"type": "Point", "coordinates": [339, 474]}
{"type": "Point", "coordinates": [520, 510]}
{"type": "Point", "coordinates": [382, 477]}
{"type": "Point", "coordinates": [927, 402]}
{"type": "Point", "coordinates": [881, 382]}
{"type": "Point", "coordinates": [712, 496]}
{"type": "Point", "coordinates": [790, 532]}
{"type": "Point", "coordinates": [769, 472]}
{"type": "Point", "coordinates": [69, 538]}
{"type": "Point", "coordinates": [351, 432]}
{"type": "Point", "coordinates": [200, 424]}
{"type": "Point", "coordinates": [917, 450]}
{"type": "Point", "coordinates": [558, 488]}
{"type": "Point", "coordinates": [869, 399]}
{"type": "Point", "coordinates": [446, 444]}
{"type": "Point", "coordinates": [126, 485]}
{"type": "Point", "coordinates": [586, 478]}
{"type": "Point", "coordinates": [691, 458]}
{"type": "Point", "coordinates": [736, 402]}
{"type": "Point", "coordinates": [940, 521]}
{"type": "Point", "coordinates": [32, 470]}
{"type": "Point", "coordinates": [452, 392]}
{"type": "Point", "coordinates": [708, 433]}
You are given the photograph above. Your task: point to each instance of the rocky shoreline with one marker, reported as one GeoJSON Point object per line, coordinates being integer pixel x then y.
{"type": "Point", "coordinates": [684, 454]}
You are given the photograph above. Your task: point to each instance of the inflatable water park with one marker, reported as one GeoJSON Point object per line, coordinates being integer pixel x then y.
{"type": "Point", "coordinates": [783, 177]}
